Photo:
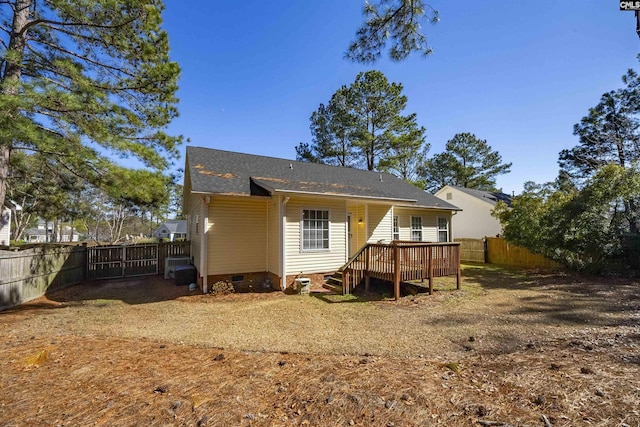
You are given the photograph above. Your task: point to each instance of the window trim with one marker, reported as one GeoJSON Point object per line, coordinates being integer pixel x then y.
{"type": "Point", "coordinates": [396, 227]}
{"type": "Point", "coordinates": [440, 230]}
{"type": "Point", "coordinates": [317, 209]}
{"type": "Point", "coordinates": [415, 230]}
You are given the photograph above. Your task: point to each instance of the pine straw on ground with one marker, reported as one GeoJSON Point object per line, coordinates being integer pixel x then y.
{"type": "Point", "coordinates": [59, 368]}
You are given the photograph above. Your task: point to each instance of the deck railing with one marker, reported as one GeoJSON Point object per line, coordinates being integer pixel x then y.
{"type": "Point", "coordinates": [401, 261]}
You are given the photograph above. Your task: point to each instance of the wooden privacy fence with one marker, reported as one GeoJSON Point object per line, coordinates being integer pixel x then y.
{"type": "Point", "coordinates": [402, 262]}
{"type": "Point", "coordinates": [109, 262]}
{"type": "Point", "coordinates": [499, 251]}
{"type": "Point", "coordinates": [28, 274]}
{"type": "Point", "coordinates": [472, 250]}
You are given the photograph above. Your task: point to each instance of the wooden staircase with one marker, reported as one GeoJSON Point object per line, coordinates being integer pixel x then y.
{"type": "Point", "coordinates": [334, 283]}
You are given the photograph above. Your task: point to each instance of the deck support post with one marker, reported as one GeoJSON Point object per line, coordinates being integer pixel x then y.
{"type": "Point", "coordinates": [457, 257]}
{"type": "Point", "coordinates": [366, 268]}
{"type": "Point", "coordinates": [345, 282]}
{"type": "Point", "coordinates": [430, 262]}
{"type": "Point", "coordinates": [396, 271]}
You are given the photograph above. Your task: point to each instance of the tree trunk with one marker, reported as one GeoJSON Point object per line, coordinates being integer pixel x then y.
{"type": "Point", "coordinates": [9, 81]}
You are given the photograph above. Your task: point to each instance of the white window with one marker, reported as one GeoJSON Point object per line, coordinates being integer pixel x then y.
{"type": "Point", "coordinates": [416, 228]}
{"type": "Point", "coordinates": [396, 228]}
{"type": "Point", "coordinates": [315, 230]}
{"type": "Point", "coordinates": [443, 230]}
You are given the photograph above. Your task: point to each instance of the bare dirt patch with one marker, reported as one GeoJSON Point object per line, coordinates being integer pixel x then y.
{"type": "Point", "coordinates": [509, 348]}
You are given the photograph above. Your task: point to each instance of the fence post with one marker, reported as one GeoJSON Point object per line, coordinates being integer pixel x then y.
{"type": "Point", "coordinates": [124, 260]}
{"type": "Point", "coordinates": [86, 261]}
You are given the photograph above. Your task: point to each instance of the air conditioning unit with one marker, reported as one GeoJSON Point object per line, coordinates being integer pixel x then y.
{"type": "Point", "coordinates": [170, 264]}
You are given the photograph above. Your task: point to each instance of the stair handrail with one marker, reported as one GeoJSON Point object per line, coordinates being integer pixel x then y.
{"type": "Point", "coordinates": [355, 257]}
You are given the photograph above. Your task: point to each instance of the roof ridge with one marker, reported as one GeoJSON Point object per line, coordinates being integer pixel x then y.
{"type": "Point", "coordinates": [313, 164]}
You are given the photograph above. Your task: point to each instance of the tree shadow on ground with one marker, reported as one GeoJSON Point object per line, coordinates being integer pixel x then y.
{"type": "Point", "coordinates": [379, 290]}
{"type": "Point", "coordinates": [558, 297]}
{"type": "Point", "coordinates": [135, 290]}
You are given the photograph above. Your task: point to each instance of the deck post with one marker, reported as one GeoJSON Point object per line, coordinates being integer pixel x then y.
{"type": "Point", "coordinates": [345, 282]}
{"type": "Point", "coordinates": [457, 257]}
{"type": "Point", "coordinates": [396, 271]}
{"type": "Point", "coordinates": [366, 268]}
{"type": "Point", "coordinates": [430, 260]}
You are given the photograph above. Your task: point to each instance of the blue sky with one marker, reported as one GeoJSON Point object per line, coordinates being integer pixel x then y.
{"type": "Point", "coordinates": [518, 74]}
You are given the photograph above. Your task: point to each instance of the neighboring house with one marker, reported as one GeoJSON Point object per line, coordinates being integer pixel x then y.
{"type": "Point", "coordinates": [5, 221]}
{"type": "Point", "coordinates": [475, 220]}
{"type": "Point", "coordinates": [172, 229]}
{"type": "Point", "coordinates": [44, 232]}
{"type": "Point", "coordinates": [262, 219]}
{"type": "Point", "coordinates": [5, 226]}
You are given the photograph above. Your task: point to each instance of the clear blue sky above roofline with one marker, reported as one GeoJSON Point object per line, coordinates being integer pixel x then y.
{"type": "Point", "coordinates": [519, 75]}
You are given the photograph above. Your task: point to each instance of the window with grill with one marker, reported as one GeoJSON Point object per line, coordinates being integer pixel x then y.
{"type": "Point", "coordinates": [443, 230]}
{"type": "Point", "coordinates": [416, 228]}
{"type": "Point", "coordinates": [396, 228]}
{"type": "Point", "coordinates": [315, 230]}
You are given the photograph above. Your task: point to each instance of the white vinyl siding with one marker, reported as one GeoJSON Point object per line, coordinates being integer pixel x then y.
{"type": "Point", "coordinates": [237, 235]}
{"type": "Point", "coordinates": [429, 222]}
{"type": "Point", "coordinates": [193, 211]}
{"type": "Point", "coordinates": [475, 220]}
{"type": "Point", "coordinates": [443, 229]}
{"type": "Point", "coordinates": [273, 242]}
{"type": "Point", "coordinates": [308, 262]}
{"type": "Point", "coordinates": [416, 228]}
{"type": "Point", "coordinates": [380, 223]}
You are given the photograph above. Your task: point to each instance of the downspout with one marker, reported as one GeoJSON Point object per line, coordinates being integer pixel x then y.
{"type": "Point", "coordinates": [204, 246]}
{"type": "Point", "coordinates": [283, 239]}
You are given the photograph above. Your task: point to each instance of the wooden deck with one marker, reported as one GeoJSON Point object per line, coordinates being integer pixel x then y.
{"type": "Point", "coordinates": [401, 261]}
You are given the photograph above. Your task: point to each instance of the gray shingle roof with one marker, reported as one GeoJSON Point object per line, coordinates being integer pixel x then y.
{"type": "Point", "coordinates": [488, 196]}
{"type": "Point", "coordinates": [224, 172]}
{"type": "Point", "coordinates": [176, 225]}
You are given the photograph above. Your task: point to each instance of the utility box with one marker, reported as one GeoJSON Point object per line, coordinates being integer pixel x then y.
{"type": "Point", "coordinates": [303, 285]}
{"type": "Point", "coordinates": [170, 264]}
{"type": "Point", "coordinates": [185, 274]}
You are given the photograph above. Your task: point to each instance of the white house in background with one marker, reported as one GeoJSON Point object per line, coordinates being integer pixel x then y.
{"type": "Point", "coordinates": [5, 221]}
{"type": "Point", "coordinates": [44, 232]}
{"type": "Point", "coordinates": [475, 220]}
{"type": "Point", "coordinates": [5, 226]}
{"type": "Point", "coordinates": [173, 229]}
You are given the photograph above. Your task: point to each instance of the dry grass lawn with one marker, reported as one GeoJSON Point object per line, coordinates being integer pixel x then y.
{"type": "Point", "coordinates": [511, 348]}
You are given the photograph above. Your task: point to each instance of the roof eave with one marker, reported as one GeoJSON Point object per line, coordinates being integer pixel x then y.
{"type": "Point", "coordinates": [343, 196]}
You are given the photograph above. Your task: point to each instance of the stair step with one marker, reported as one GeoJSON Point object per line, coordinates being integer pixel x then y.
{"type": "Point", "coordinates": [333, 288]}
{"type": "Point", "coordinates": [334, 280]}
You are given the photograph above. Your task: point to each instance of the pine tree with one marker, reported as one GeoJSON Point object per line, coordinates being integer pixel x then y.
{"type": "Point", "coordinates": [467, 162]}
{"type": "Point", "coordinates": [84, 81]}
{"type": "Point", "coordinates": [397, 22]}
{"type": "Point", "coordinates": [363, 126]}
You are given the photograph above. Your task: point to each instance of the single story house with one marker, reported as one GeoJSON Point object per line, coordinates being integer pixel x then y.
{"type": "Point", "coordinates": [172, 229]}
{"type": "Point", "coordinates": [5, 226]}
{"type": "Point", "coordinates": [265, 220]}
{"type": "Point", "coordinates": [5, 221]}
{"type": "Point", "coordinates": [475, 220]}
